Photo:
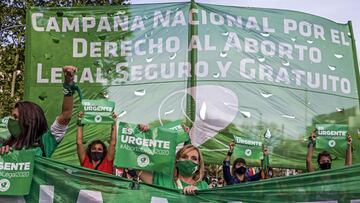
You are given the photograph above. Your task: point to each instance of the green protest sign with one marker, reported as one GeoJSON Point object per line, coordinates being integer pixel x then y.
{"type": "Point", "coordinates": [176, 126]}
{"type": "Point", "coordinates": [16, 171]}
{"type": "Point", "coordinates": [153, 150]}
{"type": "Point", "coordinates": [329, 136]}
{"type": "Point", "coordinates": [97, 111]}
{"type": "Point", "coordinates": [247, 149]}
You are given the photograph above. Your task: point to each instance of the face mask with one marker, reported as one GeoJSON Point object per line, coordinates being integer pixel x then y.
{"type": "Point", "coordinates": [241, 170]}
{"type": "Point", "coordinates": [186, 167]}
{"type": "Point", "coordinates": [96, 156]}
{"type": "Point", "coordinates": [325, 166]}
{"type": "Point", "coordinates": [132, 173]}
{"type": "Point", "coordinates": [14, 127]}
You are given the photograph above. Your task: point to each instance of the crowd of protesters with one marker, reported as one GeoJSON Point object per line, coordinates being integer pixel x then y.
{"type": "Point", "coordinates": [29, 130]}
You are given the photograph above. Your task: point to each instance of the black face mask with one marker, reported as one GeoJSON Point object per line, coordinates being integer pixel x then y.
{"type": "Point", "coordinates": [132, 173]}
{"type": "Point", "coordinates": [96, 156]}
{"type": "Point", "coordinates": [241, 170]}
{"type": "Point", "coordinates": [325, 166]}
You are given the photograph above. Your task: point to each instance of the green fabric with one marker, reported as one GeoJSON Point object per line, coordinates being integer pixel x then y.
{"type": "Point", "coordinates": [69, 90]}
{"type": "Point", "coordinates": [71, 183]}
{"type": "Point", "coordinates": [176, 126]}
{"type": "Point", "coordinates": [14, 127]}
{"type": "Point", "coordinates": [249, 72]}
{"type": "Point", "coordinates": [167, 181]}
{"type": "Point", "coordinates": [49, 143]}
{"type": "Point", "coordinates": [266, 163]}
{"type": "Point", "coordinates": [186, 167]}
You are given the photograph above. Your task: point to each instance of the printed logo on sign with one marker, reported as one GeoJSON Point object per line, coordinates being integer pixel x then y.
{"type": "Point", "coordinates": [4, 185]}
{"type": "Point", "coordinates": [143, 160]}
{"type": "Point", "coordinates": [248, 152]}
{"type": "Point", "coordinates": [332, 143]}
{"type": "Point", "coordinates": [98, 118]}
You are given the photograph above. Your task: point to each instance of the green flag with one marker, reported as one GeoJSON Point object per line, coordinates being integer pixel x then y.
{"type": "Point", "coordinates": [248, 149]}
{"type": "Point", "coordinates": [97, 111]}
{"type": "Point", "coordinates": [16, 170]}
{"type": "Point", "coordinates": [153, 150]}
{"type": "Point", "coordinates": [329, 136]}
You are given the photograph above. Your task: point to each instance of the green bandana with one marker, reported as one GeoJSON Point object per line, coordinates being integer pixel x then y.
{"type": "Point", "coordinates": [14, 127]}
{"type": "Point", "coordinates": [186, 167]}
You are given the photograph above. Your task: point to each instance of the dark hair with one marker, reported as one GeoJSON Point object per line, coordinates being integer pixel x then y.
{"type": "Point", "coordinates": [238, 160]}
{"type": "Point", "coordinates": [32, 124]}
{"type": "Point", "coordinates": [323, 153]}
{"type": "Point", "coordinates": [93, 143]}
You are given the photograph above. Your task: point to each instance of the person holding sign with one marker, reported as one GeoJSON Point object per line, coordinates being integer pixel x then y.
{"type": "Point", "coordinates": [239, 168]}
{"type": "Point", "coordinates": [96, 156]}
{"type": "Point", "coordinates": [188, 172]}
{"type": "Point", "coordinates": [324, 158]}
{"type": "Point", "coordinates": [28, 125]}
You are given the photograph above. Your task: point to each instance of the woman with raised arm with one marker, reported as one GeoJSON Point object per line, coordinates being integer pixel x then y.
{"type": "Point", "coordinates": [96, 156]}
{"type": "Point", "coordinates": [28, 125]}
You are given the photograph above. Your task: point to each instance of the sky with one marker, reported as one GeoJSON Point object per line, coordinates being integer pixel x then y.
{"type": "Point", "coordinates": [338, 11]}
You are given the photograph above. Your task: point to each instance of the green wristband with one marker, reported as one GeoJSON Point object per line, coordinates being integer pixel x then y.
{"type": "Point", "coordinates": [311, 143]}
{"type": "Point", "coordinates": [78, 123]}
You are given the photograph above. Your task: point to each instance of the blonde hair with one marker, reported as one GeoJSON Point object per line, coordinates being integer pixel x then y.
{"type": "Point", "coordinates": [199, 174]}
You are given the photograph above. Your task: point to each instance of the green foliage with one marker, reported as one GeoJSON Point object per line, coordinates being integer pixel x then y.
{"type": "Point", "coordinates": [12, 43]}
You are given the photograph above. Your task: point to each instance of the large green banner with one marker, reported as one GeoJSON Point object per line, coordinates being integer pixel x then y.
{"type": "Point", "coordinates": [223, 70]}
{"type": "Point", "coordinates": [57, 182]}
